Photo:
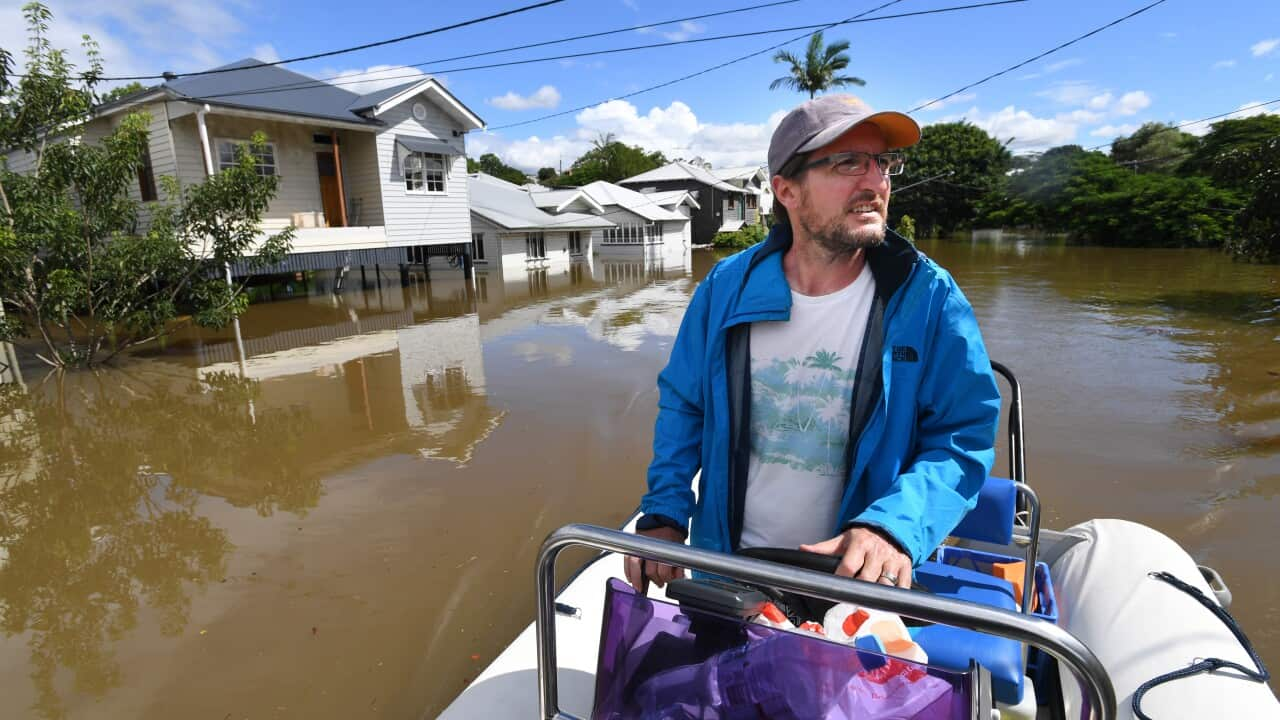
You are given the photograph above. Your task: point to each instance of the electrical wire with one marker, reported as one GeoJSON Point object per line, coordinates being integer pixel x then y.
{"type": "Point", "coordinates": [704, 71]}
{"type": "Point", "coordinates": [338, 81]}
{"type": "Point", "coordinates": [1046, 53]}
{"type": "Point", "coordinates": [343, 51]}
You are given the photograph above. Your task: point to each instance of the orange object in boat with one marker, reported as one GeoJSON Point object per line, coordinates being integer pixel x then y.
{"type": "Point", "coordinates": [1013, 573]}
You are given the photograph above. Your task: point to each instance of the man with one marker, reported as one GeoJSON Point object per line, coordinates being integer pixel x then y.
{"type": "Point", "coordinates": [831, 383]}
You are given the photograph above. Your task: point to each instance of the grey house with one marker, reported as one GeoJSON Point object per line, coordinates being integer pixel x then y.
{"type": "Point", "coordinates": [368, 178]}
{"type": "Point", "coordinates": [721, 206]}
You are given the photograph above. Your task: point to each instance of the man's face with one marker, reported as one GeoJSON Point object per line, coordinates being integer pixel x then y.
{"type": "Point", "coordinates": [844, 213]}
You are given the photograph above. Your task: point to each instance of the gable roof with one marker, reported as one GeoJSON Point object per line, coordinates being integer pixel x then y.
{"type": "Point", "coordinates": [680, 170]}
{"type": "Point", "coordinates": [742, 171]}
{"type": "Point", "coordinates": [274, 89]}
{"type": "Point", "coordinates": [673, 198]}
{"type": "Point", "coordinates": [560, 199]}
{"type": "Point", "coordinates": [511, 207]}
{"type": "Point", "coordinates": [606, 193]}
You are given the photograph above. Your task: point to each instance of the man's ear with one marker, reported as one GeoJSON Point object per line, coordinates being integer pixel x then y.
{"type": "Point", "coordinates": [786, 191]}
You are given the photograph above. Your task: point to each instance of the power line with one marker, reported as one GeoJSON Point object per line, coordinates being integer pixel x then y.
{"type": "Point", "coordinates": [342, 51]}
{"type": "Point", "coordinates": [651, 88]}
{"type": "Point", "coordinates": [343, 80]}
{"type": "Point", "coordinates": [1028, 61]}
{"type": "Point", "coordinates": [1204, 119]}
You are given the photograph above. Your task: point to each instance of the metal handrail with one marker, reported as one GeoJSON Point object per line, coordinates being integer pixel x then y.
{"type": "Point", "coordinates": [1057, 642]}
{"type": "Point", "coordinates": [1017, 443]}
{"type": "Point", "coordinates": [1033, 547]}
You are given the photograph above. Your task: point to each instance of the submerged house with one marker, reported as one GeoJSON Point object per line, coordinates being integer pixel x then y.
{"type": "Point", "coordinates": [365, 179]}
{"type": "Point", "coordinates": [510, 230]}
{"type": "Point", "coordinates": [722, 206]}
{"type": "Point", "coordinates": [641, 226]}
{"type": "Point", "coordinates": [754, 180]}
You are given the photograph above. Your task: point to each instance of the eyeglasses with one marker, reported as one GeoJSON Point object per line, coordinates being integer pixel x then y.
{"type": "Point", "coordinates": [857, 163]}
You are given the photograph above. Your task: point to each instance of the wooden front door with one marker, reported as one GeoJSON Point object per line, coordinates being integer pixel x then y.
{"type": "Point", "coordinates": [329, 195]}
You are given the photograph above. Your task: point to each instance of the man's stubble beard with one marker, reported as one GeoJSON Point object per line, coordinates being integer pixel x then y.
{"type": "Point", "coordinates": [835, 236]}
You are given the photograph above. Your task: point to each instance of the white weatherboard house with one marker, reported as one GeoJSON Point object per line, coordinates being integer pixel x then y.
{"type": "Point", "coordinates": [641, 226]}
{"type": "Point", "coordinates": [509, 230]}
{"type": "Point", "coordinates": [365, 179]}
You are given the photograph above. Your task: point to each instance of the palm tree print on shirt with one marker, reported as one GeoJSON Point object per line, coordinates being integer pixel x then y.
{"type": "Point", "coordinates": [800, 412]}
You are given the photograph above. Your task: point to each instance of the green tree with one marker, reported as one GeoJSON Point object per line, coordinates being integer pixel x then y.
{"type": "Point", "coordinates": [611, 161]}
{"type": "Point", "coordinates": [491, 164]}
{"type": "Point", "coordinates": [1154, 147]}
{"type": "Point", "coordinates": [1237, 138]}
{"type": "Point", "coordinates": [816, 71]}
{"type": "Point", "coordinates": [974, 164]}
{"type": "Point", "coordinates": [71, 263]}
{"type": "Point", "coordinates": [123, 91]}
{"type": "Point", "coordinates": [1257, 235]}
{"type": "Point", "coordinates": [546, 175]}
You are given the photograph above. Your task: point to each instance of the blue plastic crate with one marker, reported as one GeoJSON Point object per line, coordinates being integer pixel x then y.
{"type": "Point", "coordinates": [1038, 664]}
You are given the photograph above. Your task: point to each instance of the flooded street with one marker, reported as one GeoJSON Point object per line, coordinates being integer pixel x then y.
{"type": "Point", "coordinates": [337, 516]}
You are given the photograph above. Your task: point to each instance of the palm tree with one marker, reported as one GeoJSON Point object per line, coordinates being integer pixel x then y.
{"type": "Point", "coordinates": [816, 71]}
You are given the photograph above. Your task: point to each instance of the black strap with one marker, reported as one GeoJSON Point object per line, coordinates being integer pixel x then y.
{"type": "Point", "coordinates": [1207, 664]}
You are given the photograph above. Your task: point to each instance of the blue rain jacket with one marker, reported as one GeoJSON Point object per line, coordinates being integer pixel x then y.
{"type": "Point", "coordinates": [924, 414]}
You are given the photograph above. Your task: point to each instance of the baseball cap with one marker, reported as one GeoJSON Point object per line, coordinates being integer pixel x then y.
{"type": "Point", "coordinates": [819, 121]}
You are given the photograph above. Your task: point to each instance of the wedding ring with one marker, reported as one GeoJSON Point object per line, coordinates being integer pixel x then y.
{"type": "Point", "coordinates": [893, 579]}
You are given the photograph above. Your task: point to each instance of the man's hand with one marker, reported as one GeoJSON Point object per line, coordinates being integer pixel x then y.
{"type": "Point", "coordinates": [637, 569]}
{"type": "Point", "coordinates": [866, 555]}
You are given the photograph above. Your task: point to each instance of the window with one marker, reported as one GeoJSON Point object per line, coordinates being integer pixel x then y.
{"type": "Point", "coordinates": [633, 234]}
{"type": "Point", "coordinates": [147, 178]}
{"type": "Point", "coordinates": [732, 202]}
{"type": "Point", "coordinates": [575, 243]}
{"type": "Point", "coordinates": [477, 246]}
{"type": "Point", "coordinates": [535, 245]}
{"type": "Point", "coordinates": [424, 172]}
{"type": "Point", "coordinates": [264, 158]}
{"type": "Point", "coordinates": [751, 202]}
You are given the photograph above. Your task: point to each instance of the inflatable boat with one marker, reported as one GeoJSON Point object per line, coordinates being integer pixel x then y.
{"type": "Point", "coordinates": [1107, 619]}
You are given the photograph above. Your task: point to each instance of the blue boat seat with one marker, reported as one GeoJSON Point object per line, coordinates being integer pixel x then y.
{"type": "Point", "coordinates": [952, 648]}
{"type": "Point", "coordinates": [991, 520]}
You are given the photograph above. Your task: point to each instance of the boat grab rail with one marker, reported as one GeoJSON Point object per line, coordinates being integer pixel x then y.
{"type": "Point", "coordinates": [1057, 642]}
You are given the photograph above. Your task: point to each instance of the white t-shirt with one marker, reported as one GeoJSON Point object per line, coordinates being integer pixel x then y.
{"type": "Point", "coordinates": [802, 376]}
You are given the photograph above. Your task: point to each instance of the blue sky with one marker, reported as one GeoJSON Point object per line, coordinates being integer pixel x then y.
{"type": "Point", "coordinates": [1179, 61]}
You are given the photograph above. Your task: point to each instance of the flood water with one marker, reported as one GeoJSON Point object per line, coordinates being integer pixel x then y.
{"type": "Point", "coordinates": [340, 520]}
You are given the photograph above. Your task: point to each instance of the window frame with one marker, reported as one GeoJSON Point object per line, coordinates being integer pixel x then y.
{"type": "Point", "coordinates": [259, 165]}
{"type": "Point", "coordinates": [535, 245]}
{"type": "Point", "coordinates": [477, 247]}
{"type": "Point", "coordinates": [147, 178]}
{"type": "Point", "coordinates": [424, 180]}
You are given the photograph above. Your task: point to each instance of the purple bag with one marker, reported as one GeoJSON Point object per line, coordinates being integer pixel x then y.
{"type": "Point", "coordinates": [658, 660]}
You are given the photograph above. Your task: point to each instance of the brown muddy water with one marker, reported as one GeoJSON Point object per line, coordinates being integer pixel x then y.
{"type": "Point", "coordinates": [341, 521]}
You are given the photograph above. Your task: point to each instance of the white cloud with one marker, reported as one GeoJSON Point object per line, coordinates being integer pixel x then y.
{"type": "Point", "coordinates": [687, 30]}
{"type": "Point", "coordinates": [1131, 102]}
{"type": "Point", "coordinates": [1264, 47]}
{"type": "Point", "coordinates": [955, 100]}
{"type": "Point", "coordinates": [1026, 131]}
{"type": "Point", "coordinates": [1081, 117]}
{"type": "Point", "coordinates": [1070, 93]}
{"type": "Point", "coordinates": [1222, 64]}
{"type": "Point", "coordinates": [544, 97]}
{"type": "Point", "coordinates": [631, 4]}
{"type": "Point", "coordinates": [377, 77]}
{"type": "Point", "coordinates": [1099, 102]}
{"type": "Point", "coordinates": [1169, 35]}
{"type": "Point", "coordinates": [1268, 77]}
{"type": "Point", "coordinates": [1063, 65]}
{"type": "Point", "coordinates": [675, 130]}
{"type": "Point", "coordinates": [266, 52]}
{"type": "Point", "coordinates": [1114, 131]}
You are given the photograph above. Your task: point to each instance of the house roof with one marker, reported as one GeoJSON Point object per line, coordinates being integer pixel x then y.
{"type": "Point", "coordinates": [270, 88]}
{"type": "Point", "coordinates": [511, 207]}
{"type": "Point", "coordinates": [606, 194]}
{"type": "Point", "coordinates": [680, 170]}
{"type": "Point", "coordinates": [740, 172]}
{"type": "Point", "coordinates": [559, 199]}
{"type": "Point", "coordinates": [672, 198]}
